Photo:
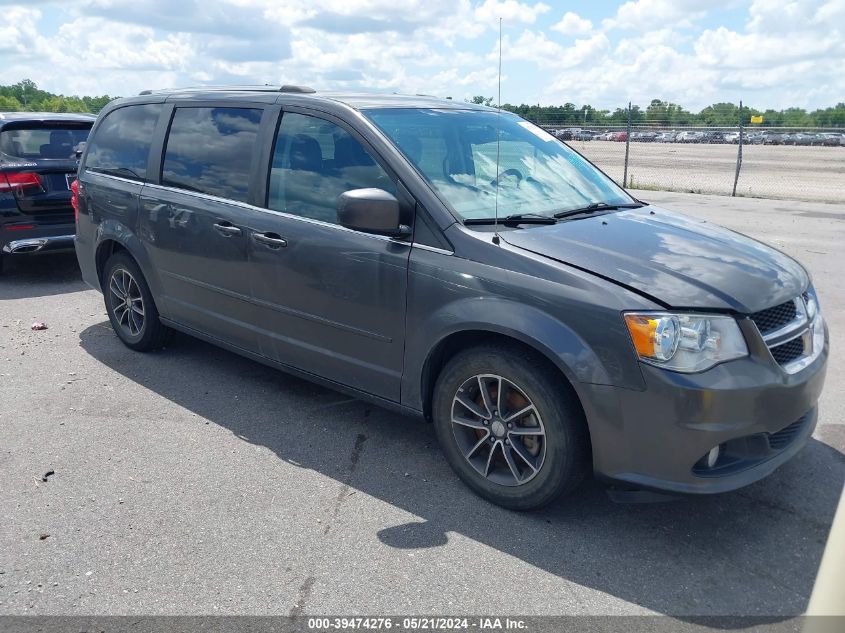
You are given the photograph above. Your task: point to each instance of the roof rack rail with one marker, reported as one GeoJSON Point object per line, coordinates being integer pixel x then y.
{"type": "Point", "coordinates": [264, 88]}
{"type": "Point", "coordinates": [293, 88]}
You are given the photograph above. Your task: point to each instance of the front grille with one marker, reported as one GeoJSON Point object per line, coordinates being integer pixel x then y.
{"type": "Point", "coordinates": [789, 351]}
{"type": "Point", "coordinates": [784, 437]}
{"type": "Point", "coordinates": [771, 319]}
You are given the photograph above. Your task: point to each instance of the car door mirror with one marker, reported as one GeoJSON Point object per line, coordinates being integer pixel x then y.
{"type": "Point", "coordinates": [371, 211]}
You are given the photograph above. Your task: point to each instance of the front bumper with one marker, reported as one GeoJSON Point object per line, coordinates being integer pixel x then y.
{"type": "Point", "coordinates": [656, 438]}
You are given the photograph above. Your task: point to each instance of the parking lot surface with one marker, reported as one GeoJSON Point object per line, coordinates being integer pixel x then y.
{"type": "Point", "coordinates": [781, 171]}
{"type": "Point", "coordinates": [194, 481]}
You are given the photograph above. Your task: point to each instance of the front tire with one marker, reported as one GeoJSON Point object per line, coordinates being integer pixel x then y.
{"type": "Point", "coordinates": [130, 306]}
{"type": "Point", "coordinates": [508, 426]}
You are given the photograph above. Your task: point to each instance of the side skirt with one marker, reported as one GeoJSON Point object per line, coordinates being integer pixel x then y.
{"type": "Point", "coordinates": [329, 384]}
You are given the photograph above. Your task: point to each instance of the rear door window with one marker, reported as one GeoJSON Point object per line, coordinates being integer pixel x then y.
{"type": "Point", "coordinates": [120, 145]}
{"type": "Point", "coordinates": [43, 140]}
{"type": "Point", "coordinates": [210, 150]}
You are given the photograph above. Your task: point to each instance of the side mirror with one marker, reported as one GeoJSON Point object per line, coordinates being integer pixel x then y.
{"type": "Point", "coordinates": [371, 211]}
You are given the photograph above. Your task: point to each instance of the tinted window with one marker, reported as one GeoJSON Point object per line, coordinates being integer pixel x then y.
{"type": "Point", "coordinates": [211, 150]}
{"type": "Point", "coordinates": [314, 162]}
{"type": "Point", "coordinates": [43, 140]}
{"type": "Point", "coordinates": [121, 143]}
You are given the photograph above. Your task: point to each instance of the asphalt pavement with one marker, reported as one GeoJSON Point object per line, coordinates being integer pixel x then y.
{"type": "Point", "coordinates": [193, 481]}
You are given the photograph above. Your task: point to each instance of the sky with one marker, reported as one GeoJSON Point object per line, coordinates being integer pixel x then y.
{"type": "Point", "coordinates": [769, 53]}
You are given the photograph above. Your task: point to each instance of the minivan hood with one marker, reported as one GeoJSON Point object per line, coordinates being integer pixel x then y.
{"type": "Point", "coordinates": [677, 260]}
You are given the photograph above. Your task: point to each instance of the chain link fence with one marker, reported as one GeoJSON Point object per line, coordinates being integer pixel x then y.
{"type": "Point", "coordinates": [787, 163]}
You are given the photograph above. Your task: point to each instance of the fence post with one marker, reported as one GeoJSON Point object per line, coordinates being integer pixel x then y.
{"type": "Point", "coordinates": [627, 147]}
{"type": "Point", "coordinates": [738, 152]}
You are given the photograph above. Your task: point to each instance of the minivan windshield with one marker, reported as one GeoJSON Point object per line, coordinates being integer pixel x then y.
{"type": "Point", "coordinates": [535, 174]}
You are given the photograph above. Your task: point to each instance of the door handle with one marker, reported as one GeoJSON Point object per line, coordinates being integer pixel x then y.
{"type": "Point", "coordinates": [226, 229]}
{"type": "Point", "coordinates": [271, 240]}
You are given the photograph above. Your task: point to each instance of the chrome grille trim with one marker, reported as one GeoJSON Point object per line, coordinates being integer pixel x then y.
{"type": "Point", "coordinates": [789, 330]}
{"type": "Point", "coordinates": [798, 328]}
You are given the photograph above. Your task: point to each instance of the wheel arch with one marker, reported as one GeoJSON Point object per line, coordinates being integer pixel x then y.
{"type": "Point", "coordinates": [105, 249]}
{"type": "Point", "coordinates": [451, 344]}
{"type": "Point", "coordinates": [115, 237]}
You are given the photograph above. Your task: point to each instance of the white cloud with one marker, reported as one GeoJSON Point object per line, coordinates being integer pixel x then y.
{"type": "Point", "coordinates": [119, 46]}
{"type": "Point", "coordinates": [18, 29]}
{"type": "Point", "coordinates": [644, 15]}
{"type": "Point", "coordinates": [778, 16]}
{"type": "Point", "coordinates": [573, 24]}
{"type": "Point", "coordinates": [510, 11]}
{"type": "Point", "coordinates": [535, 47]}
{"type": "Point", "coordinates": [772, 53]}
{"type": "Point", "coordinates": [728, 49]}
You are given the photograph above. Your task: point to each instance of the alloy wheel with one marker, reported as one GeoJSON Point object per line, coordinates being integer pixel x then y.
{"type": "Point", "coordinates": [498, 429]}
{"type": "Point", "coordinates": [127, 302]}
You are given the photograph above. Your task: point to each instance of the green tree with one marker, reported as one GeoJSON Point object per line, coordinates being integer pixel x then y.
{"type": "Point", "coordinates": [9, 104]}
{"type": "Point", "coordinates": [488, 101]}
{"type": "Point", "coordinates": [719, 114]}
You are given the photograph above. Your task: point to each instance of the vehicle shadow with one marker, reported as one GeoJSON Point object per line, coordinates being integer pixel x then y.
{"type": "Point", "coordinates": [26, 276]}
{"type": "Point", "coordinates": [752, 552]}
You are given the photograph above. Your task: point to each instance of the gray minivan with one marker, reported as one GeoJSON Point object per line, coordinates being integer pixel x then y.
{"type": "Point", "coordinates": [460, 264]}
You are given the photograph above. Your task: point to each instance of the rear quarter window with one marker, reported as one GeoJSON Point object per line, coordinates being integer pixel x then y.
{"type": "Point", "coordinates": [210, 150]}
{"type": "Point", "coordinates": [120, 145]}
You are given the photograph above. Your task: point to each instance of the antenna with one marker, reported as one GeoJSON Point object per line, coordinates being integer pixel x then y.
{"type": "Point", "coordinates": [498, 138]}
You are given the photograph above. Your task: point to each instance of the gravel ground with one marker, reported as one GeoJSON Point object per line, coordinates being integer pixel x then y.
{"type": "Point", "coordinates": [194, 481]}
{"type": "Point", "coordinates": [779, 171]}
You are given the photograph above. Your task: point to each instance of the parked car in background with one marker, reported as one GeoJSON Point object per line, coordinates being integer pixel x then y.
{"type": "Point", "coordinates": [38, 159]}
{"type": "Point", "coordinates": [830, 139]}
{"type": "Point", "coordinates": [665, 137]}
{"type": "Point", "coordinates": [644, 137]}
{"type": "Point", "coordinates": [799, 138]}
{"type": "Point", "coordinates": [689, 136]}
{"type": "Point", "coordinates": [619, 136]}
{"type": "Point", "coordinates": [731, 137]}
{"type": "Point", "coordinates": [712, 136]}
{"type": "Point", "coordinates": [772, 138]}
{"type": "Point", "coordinates": [584, 135]}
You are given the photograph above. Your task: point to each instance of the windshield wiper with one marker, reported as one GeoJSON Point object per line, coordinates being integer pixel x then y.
{"type": "Point", "coordinates": [596, 206]}
{"type": "Point", "coordinates": [514, 218]}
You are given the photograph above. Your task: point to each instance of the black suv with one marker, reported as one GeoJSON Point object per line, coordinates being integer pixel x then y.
{"type": "Point", "coordinates": [460, 264]}
{"type": "Point", "coordinates": [38, 160]}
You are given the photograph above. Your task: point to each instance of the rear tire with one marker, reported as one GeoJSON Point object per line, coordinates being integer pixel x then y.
{"type": "Point", "coordinates": [524, 444]}
{"type": "Point", "coordinates": [130, 306]}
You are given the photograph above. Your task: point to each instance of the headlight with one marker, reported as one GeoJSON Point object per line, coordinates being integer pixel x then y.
{"type": "Point", "coordinates": [685, 342]}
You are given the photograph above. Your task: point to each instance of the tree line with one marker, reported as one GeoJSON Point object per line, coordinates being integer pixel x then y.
{"type": "Point", "coordinates": [27, 96]}
{"type": "Point", "coordinates": [669, 114]}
